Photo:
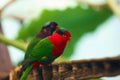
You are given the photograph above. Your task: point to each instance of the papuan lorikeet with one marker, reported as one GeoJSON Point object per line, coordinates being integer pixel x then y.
{"type": "Point", "coordinates": [47, 50]}
{"type": "Point", "coordinates": [45, 31]}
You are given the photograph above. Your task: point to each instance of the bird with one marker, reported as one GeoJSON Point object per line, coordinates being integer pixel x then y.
{"type": "Point", "coordinates": [47, 30]}
{"type": "Point", "coordinates": [47, 50]}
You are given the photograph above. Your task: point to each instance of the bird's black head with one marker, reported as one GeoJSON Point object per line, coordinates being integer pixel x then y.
{"type": "Point", "coordinates": [48, 29]}
{"type": "Point", "coordinates": [50, 24]}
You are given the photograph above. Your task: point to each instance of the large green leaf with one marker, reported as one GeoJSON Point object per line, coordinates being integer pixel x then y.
{"type": "Point", "coordinates": [77, 20]}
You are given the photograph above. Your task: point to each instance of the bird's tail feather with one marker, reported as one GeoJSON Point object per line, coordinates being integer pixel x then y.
{"type": "Point", "coordinates": [24, 66]}
{"type": "Point", "coordinates": [26, 72]}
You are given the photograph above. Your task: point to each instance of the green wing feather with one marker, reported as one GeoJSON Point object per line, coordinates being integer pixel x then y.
{"type": "Point", "coordinates": [43, 51]}
{"type": "Point", "coordinates": [30, 47]}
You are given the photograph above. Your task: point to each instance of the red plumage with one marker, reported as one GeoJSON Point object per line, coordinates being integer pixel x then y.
{"type": "Point", "coordinates": [59, 42]}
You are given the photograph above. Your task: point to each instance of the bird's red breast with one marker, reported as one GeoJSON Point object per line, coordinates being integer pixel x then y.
{"type": "Point", "coordinates": [59, 42]}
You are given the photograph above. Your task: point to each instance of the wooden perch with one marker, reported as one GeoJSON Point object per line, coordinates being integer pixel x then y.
{"type": "Point", "coordinates": [76, 70]}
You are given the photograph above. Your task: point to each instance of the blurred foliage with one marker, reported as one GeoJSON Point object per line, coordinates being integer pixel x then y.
{"type": "Point", "coordinates": [77, 20]}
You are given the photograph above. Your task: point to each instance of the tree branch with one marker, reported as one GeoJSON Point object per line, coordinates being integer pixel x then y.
{"type": "Point", "coordinates": [14, 43]}
{"type": "Point", "coordinates": [114, 6]}
{"type": "Point", "coordinates": [77, 69]}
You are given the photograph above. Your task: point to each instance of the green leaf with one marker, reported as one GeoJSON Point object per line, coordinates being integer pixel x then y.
{"type": "Point", "coordinates": [77, 20]}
